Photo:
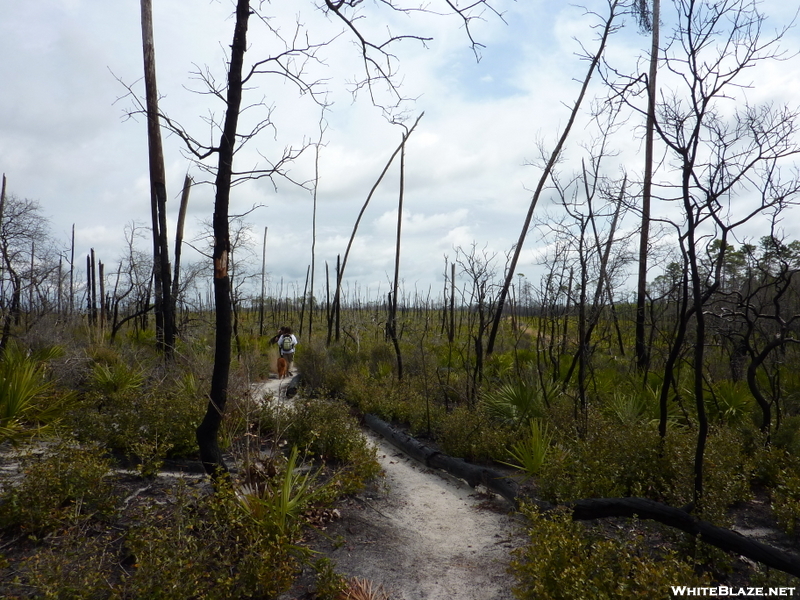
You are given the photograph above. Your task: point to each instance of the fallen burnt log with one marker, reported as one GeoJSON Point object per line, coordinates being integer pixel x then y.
{"type": "Point", "coordinates": [458, 467]}
{"type": "Point", "coordinates": [592, 508]}
{"type": "Point", "coordinates": [642, 508]}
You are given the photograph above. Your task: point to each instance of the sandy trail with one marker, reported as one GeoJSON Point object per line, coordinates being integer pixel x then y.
{"type": "Point", "coordinates": [425, 535]}
{"type": "Point", "coordinates": [421, 534]}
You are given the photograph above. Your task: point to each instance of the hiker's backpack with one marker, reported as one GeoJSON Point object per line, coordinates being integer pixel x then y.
{"type": "Point", "coordinates": [286, 343]}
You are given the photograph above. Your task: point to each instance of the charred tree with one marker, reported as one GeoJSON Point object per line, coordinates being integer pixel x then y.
{"type": "Point", "coordinates": [208, 430]}
{"type": "Point", "coordinates": [164, 313]}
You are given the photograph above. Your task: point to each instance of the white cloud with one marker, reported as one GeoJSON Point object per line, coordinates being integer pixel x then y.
{"type": "Point", "coordinates": [63, 140]}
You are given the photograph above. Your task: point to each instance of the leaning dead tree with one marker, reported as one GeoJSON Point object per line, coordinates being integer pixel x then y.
{"type": "Point", "coordinates": [337, 295]}
{"type": "Point", "coordinates": [550, 163]}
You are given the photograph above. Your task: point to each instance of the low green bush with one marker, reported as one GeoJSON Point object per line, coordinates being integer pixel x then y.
{"type": "Point", "coordinates": [779, 471]}
{"type": "Point", "coordinates": [147, 422]}
{"type": "Point", "coordinates": [329, 584]}
{"type": "Point", "coordinates": [325, 430]}
{"type": "Point", "coordinates": [788, 436]}
{"type": "Point", "coordinates": [68, 482]}
{"type": "Point", "coordinates": [617, 460]}
{"type": "Point", "coordinates": [564, 561]}
{"type": "Point", "coordinates": [78, 567]}
{"type": "Point", "coordinates": [472, 435]}
{"type": "Point", "coordinates": [786, 502]}
{"type": "Point", "coordinates": [210, 547]}
{"type": "Point", "coordinates": [324, 371]}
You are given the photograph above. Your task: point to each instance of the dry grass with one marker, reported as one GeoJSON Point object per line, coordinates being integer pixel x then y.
{"type": "Point", "coordinates": [363, 589]}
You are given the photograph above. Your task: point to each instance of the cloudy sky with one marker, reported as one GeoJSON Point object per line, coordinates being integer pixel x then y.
{"type": "Point", "coordinates": [66, 142]}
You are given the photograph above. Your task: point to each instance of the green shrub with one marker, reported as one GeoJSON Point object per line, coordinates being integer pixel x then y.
{"type": "Point", "coordinates": [563, 561]}
{"type": "Point", "coordinates": [323, 370]}
{"type": "Point", "coordinates": [470, 434]}
{"type": "Point", "coordinates": [728, 472]}
{"type": "Point", "coordinates": [612, 460]}
{"type": "Point", "coordinates": [394, 401]}
{"type": "Point", "coordinates": [329, 584]}
{"type": "Point", "coordinates": [615, 460]}
{"type": "Point", "coordinates": [79, 567]}
{"type": "Point", "coordinates": [779, 471]}
{"type": "Point", "coordinates": [788, 436]}
{"type": "Point", "coordinates": [210, 547]}
{"type": "Point", "coordinates": [68, 482]}
{"type": "Point", "coordinates": [147, 423]}
{"type": "Point", "coordinates": [376, 396]}
{"type": "Point", "coordinates": [786, 502]}
{"type": "Point", "coordinates": [770, 462]}
{"type": "Point", "coordinates": [326, 429]}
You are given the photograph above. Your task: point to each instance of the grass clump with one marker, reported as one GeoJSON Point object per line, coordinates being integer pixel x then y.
{"type": "Point", "coordinates": [29, 404]}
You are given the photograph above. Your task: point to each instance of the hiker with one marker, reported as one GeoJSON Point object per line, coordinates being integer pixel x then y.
{"type": "Point", "coordinates": [274, 339]}
{"type": "Point", "coordinates": [286, 345]}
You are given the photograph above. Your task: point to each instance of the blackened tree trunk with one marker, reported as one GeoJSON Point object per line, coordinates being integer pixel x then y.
{"type": "Point", "coordinates": [208, 431]}
{"type": "Point", "coordinates": [165, 322]}
{"type": "Point", "coordinates": [102, 285]}
{"type": "Point", "coordinates": [176, 277]}
{"type": "Point", "coordinates": [89, 289]}
{"type": "Point", "coordinates": [93, 288]}
{"type": "Point", "coordinates": [6, 313]}
{"type": "Point", "coordinates": [642, 352]}
{"type": "Point", "coordinates": [392, 324]}
{"type": "Point", "coordinates": [72, 273]}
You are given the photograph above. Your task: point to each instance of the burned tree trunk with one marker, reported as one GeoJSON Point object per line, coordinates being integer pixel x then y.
{"type": "Point", "coordinates": [165, 324]}
{"type": "Point", "coordinates": [208, 430]}
{"type": "Point", "coordinates": [187, 187]}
